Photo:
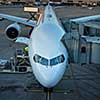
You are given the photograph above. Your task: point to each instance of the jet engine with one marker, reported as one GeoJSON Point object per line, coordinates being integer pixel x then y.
{"type": "Point", "coordinates": [13, 31]}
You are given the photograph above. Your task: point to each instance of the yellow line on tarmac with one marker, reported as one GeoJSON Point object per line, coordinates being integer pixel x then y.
{"type": "Point", "coordinates": [34, 90]}
{"type": "Point", "coordinates": [48, 95]}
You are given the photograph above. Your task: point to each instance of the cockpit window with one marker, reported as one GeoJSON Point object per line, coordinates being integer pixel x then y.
{"type": "Point", "coordinates": [57, 60]}
{"type": "Point", "coordinates": [51, 62]}
{"type": "Point", "coordinates": [41, 60]}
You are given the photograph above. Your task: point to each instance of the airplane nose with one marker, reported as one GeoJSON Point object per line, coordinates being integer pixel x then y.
{"type": "Point", "coordinates": [49, 81]}
{"type": "Point", "coordinates": [51, 76]}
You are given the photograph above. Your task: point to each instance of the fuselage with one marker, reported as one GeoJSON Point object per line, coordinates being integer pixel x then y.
{"type": "Point", "coordinates": [48, 56]}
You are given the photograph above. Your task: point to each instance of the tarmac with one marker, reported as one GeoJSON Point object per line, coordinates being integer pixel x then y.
{"type": "Point", "coordinates": [80, 82]}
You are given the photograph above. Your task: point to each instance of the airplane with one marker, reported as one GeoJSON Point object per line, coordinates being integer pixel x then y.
{"type": "Point", "coordinates": [47, 54]}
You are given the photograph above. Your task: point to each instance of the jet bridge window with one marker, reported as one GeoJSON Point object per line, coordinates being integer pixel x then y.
{"type": "Point", "coordinates": [57, 60]}
{"type": "Point", "coordinates": [74, 26]}
{"type": "Point", "coordinates": [40, 60]}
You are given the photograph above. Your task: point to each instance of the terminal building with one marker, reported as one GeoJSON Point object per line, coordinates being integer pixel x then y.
{"type": "Point", "coordinates": [76, 1]}
{"type": "Point", "coordinates": [62, 1]}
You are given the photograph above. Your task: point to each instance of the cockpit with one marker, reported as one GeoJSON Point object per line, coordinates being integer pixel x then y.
{"type": "Point", "coordinates": [40, 60]}
{"type": "Point", "coordinates": [48, 62]}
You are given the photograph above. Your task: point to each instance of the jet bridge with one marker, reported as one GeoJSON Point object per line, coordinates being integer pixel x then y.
{"type": "Point", "coordinates": [92, 37]}
{"type": "Point", "coordinates": [89, 42]}
{"type": "Point", "coordinates": [82, 41]}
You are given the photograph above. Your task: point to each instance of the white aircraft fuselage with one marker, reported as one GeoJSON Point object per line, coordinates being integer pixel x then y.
{"type": "Point", "coordinates": [48, 56]}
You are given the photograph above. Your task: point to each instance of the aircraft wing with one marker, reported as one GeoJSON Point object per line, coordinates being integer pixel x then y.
{"type": "Point", "coordinates": [85, 19]}
{"type": "Point", "coordinates": [19, 20]}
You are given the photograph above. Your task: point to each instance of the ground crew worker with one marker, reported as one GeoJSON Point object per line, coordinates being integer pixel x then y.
{"type": "Point", "coordinates": [26, 50]}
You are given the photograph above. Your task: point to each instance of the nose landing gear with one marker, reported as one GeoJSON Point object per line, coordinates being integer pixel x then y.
{"type": "Point", "coordinates": [48, 93]}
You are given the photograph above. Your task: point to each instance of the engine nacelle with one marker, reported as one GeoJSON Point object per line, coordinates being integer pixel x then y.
{"type": "Point", "coordinates": [13, 31]}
